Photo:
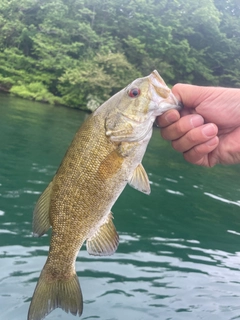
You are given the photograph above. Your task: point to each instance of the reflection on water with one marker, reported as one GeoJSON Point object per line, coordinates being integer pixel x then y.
{"type": "Point", "coordinates": [179, 253]}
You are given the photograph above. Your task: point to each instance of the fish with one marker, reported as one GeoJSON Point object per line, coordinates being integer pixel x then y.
{"type": "Point", "coordinates": [105, 155]}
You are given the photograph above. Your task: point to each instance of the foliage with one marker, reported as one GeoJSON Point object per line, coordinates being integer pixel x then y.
{"type": "Point", "coordinates": [35, 91]}
{"type": "Point", "coordinates": [98, 77]}
{"type": "Point", "coordinates": [80, 52]}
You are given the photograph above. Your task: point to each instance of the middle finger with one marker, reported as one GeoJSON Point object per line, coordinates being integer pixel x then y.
{"type": "Point", "coordinates": [195, 137]}
{"type": "Point", "coordinates": [181, 127]}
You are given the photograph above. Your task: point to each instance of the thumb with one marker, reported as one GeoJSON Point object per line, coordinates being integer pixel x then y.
{"type": "Point", "coordinates": [191, 96]}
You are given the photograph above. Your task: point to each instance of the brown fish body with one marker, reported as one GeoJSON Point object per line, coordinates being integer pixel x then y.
{"type": "Point", "coordinates": [104, 156]}
{"type": "Point", "coordinates": [89, 180]}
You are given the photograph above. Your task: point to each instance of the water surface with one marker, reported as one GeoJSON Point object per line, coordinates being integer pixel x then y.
{"type": "Point", "coordinates": [179, 253]}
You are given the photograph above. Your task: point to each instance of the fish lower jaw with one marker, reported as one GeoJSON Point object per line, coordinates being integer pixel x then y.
{"type": "Point", "coordinates": [163, 107]}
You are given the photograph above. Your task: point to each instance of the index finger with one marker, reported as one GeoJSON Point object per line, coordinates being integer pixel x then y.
{"type": "Point", "coordinates": [168, 117]}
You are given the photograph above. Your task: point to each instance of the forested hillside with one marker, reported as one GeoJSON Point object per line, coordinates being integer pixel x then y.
{"type": "Point", "coordinates": [79, 52]}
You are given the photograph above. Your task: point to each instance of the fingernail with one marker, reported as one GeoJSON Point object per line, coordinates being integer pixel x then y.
{"type": "Point", "coordinates": [209, 130]}
{"type": "Point", "coordinates": [171, 117]}
{"type": "Point", "coordinates": [196, 121]}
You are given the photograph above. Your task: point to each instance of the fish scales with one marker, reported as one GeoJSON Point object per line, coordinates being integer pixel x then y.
{"type": "Point", "coordinates": [82, 187]}
{"type": "Point", "coordinates": [104, 156]}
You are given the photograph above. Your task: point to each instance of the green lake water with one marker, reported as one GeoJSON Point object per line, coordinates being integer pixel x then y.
{"type": "Point", "coordinates": [179, 252]}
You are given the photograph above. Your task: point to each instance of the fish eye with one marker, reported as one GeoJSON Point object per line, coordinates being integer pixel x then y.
{"type": "Point", "coordinates": [133, 93]}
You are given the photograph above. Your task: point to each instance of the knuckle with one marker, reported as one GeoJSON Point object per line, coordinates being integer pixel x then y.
{"type": "Point", "coordinates": [165, 134]}
{"type": "Point", "coordinates": [180, 128]}
{"type": "Point", "coordinates": [177, 146]}
{"type": "Point", "coordinates": [191, 136]}
{"type": "Point", "coordinates": [198, 151]}
{"type": "Point", "coordinates": [190, 159]}
{"type": "Point", "coordinates": [197, 156]}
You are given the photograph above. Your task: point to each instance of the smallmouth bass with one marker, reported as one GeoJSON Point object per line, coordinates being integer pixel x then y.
{"type": "Point", "coordinates": [105, 154]}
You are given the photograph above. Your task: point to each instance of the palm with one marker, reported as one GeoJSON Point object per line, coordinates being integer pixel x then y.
{"type": "Point", "coordinates": [215, 112]}
{"type": "Point", "coordinates": [228, 150]}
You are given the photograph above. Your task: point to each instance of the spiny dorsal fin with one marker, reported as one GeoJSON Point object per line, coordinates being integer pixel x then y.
{"type": "Point", "coordinates": [105, 241]}
{"type": "Point", "coordinates": [140, 180]}
{"type": "Point", "coordinates": [41, 219]}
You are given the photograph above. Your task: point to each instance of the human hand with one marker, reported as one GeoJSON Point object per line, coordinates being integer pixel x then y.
{"type": "Point", "coordinates": [207, 130]}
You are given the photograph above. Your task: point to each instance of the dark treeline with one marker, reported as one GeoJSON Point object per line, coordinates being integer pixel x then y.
{"type": "Point", "coordinates": [79, 52]}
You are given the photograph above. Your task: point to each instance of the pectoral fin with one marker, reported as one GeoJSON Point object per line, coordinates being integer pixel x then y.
{"type": "Point", "coordinates": [121, 128]}
{"type": "Point", "coordinates": [105, 241]}
{"type": "Point", "coordinates": [41, 219]}
{"type": "Point", "coordinates": [140, 180]}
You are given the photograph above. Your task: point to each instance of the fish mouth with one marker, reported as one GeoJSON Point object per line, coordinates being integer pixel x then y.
{"type": "Point", "coordinates": [162, 95]}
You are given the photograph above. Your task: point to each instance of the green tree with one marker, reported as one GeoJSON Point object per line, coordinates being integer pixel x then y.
{"type": "Point", "coordinates": [79, 52]}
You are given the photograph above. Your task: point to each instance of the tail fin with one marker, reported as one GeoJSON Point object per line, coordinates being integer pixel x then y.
{"type": "Point", "coordinates": [49, 295]}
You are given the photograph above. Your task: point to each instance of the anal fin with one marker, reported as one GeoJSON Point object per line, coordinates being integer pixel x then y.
{"type": "Point", "coordinates": [41, 219]}
{"type": "Point", "coordinates": [139, 180]}
{"type": "Point", "coordinates": [105, 241]}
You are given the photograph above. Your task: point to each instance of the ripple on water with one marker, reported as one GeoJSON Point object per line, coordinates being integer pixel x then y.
{"type": "Point", "coordinates": [36, 181]}
{"type": "Point", "coordinates": [178, 193]}
{"type": "Point", "coordinates": [162, 281]}
{"type": "Point", "coordinates": [236, 203]}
